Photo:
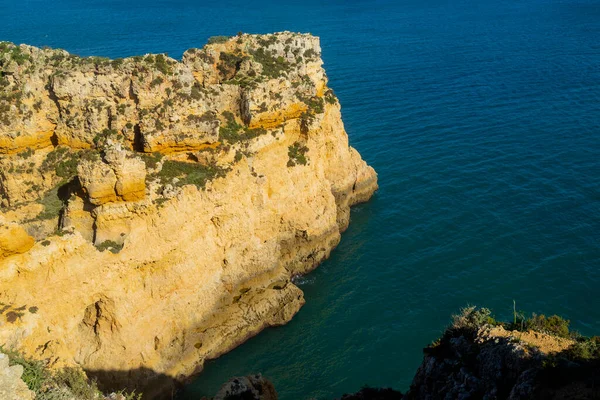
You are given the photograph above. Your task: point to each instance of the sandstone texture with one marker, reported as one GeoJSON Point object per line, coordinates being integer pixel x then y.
{"type": "Point", "coordinates": [154, 211]}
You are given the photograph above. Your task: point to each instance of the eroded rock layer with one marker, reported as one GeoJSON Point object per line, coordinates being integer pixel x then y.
{"type": "Point", "coordinates": [154, 211]}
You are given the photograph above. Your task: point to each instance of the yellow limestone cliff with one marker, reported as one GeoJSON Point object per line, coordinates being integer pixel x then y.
{"type": "Point", "coordinates": [155, 211]}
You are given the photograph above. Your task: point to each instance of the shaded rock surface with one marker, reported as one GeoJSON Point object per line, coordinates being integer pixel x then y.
{"type": "Point", "coordinates": [482, 360]}
{"type": "Point", "coordinates": [252, 387]}
{"type": "Point", "coordinates": [369, 393]}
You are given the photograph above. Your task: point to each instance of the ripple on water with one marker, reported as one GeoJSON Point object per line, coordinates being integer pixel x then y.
{"type": "Point", "coordinates": [481, 119]}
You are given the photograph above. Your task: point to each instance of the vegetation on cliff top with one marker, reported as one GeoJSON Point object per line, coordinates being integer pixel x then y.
{"type": "Point", "coordinates": [468, 322]}
{"type": "Point", "coordinates": [66, 383]}
{"type": "Point", "coordinates": [242, 60]}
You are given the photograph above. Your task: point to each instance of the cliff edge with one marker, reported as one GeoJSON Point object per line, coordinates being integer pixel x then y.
{"type": "Point", "coordinates": [154, 211]}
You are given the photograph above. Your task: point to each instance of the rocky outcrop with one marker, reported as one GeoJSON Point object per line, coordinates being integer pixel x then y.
{"type": "Point", "coordinates": [11, 385]}
{"type": "Point", "coordinates": [480, 358]}
{"type": "Point", "coordinates": [253, 387]}
{"type": "Point", "coordinates": [162, 207]}
{"type": "Point", "coordinates": [13, 239]}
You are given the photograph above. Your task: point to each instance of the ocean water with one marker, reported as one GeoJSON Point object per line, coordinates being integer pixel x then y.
{"type": "Point", "coordinates": [482, 119]}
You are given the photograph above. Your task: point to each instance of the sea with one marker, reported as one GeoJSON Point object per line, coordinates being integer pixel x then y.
{"type": "Point", "coordinates": [482, 119]}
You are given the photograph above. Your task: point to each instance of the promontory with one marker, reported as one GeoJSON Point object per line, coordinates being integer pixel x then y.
{"type": "Point", "coordinates": [154, 211]}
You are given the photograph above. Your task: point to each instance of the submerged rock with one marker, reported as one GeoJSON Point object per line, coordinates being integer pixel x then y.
{"type": "Point", "coordinates": [253, 387]}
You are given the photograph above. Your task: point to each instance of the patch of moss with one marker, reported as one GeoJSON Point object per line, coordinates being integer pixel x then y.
{"type": "Point", "coordinates": [26, 154]}
{"type": "Point", "coordinates": [273, 67]}
{"type": "Point", "coordinates": [66, 383]}
{"type": "Point", "coordinates": [310, 53]}
{"type": "Point", "coordinates": [109, 245]}
{"type": "Point", "coordinates": [161, 64]}
{"type": "Point", "coordinates": [52, 205]}
{"type": "Point", "coordinates": [268, 40]}
{"type": "Point", "coordinates": [208, 116]}
{"type": "Point", "coordinates": [217, 39]}
{"type": "Point", "coordinates": [229, 64]}
{"type": "Point", "coordinates": [232, 132]}
{"type": "Point", "coordinates": [297, 154]}
{"type": "Point", "coordinates": [151, 160]}
{"type": "Point", "coordinates": [188, 173]}
{"type": "Point", "coordinates": [330, 97]}
{"type": "Point", "coordinates": [156, 81]}
{"type": "Point", "coordinates": [64, 161]}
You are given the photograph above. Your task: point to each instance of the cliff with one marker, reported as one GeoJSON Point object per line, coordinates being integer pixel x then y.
{"type": "Point", "coordinates": [154, 211]}
{"type": "Point", "coordinates": [478, 357]}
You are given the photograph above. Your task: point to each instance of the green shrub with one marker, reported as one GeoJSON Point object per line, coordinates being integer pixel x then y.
{"type": "Point", "coordinates": [553, 325]}
{"type": "Point", "coordinates": [64, 162]}
{"type": "Point", "coordinates": [229, 64]}
{"type": "Point", "coordinates": [18, 56]}
{"type": "Point", "coordinates": [196, 92]}
{"type": "Point", "coordinates": [101, 139]}
{"type": "Point", "coordinates": [67, 383]}
{"type": "Point", "coordinates": [52, 205]}
{"type": "Point", "coordinates": [230, 131]}
{"type": "Point", "coordinates": [188, 173]}
{"type": "Point", "coordinates": [315, 104]}
{"type": "Point", "coordinates": [208, 116]}
{"type": "Point", "coordinates": [254, 132]}
{"type": "Point", "coordinates": [26, 154]}
{"type": "Point", "coordinates": [109, 245]}
{"type": "Point", "coordinates": [297, 154]}
{"type": "Point", "coordinates": [472, 317]}
{"type": "Point", "coordinates": [151, 160]}
{"type": "Point", "coordinates": [161, 64]}
{"type": "Point", "coordinates": [77, 382]}
{"type": "Point", "coordinates": [272, 67]}
{"type": "Point", "coordinates": [266, 42]}
{"type": "Point", "coordinates": [156, 81]}
{"type": "Point", "coordinates": [117, 62]}
{"type": "Point", "coordinates": [35, 375]}
{"type": "Point", "coordinates": [217, 39]}
{"type": "Point", "coordinates": [330, 97]}
{"type": "Point", "coordinates": [238, 156]}
{"type": "Point", "coordinates": [585, 349]}
{"type": "Point", "coordinates": [310, 53]}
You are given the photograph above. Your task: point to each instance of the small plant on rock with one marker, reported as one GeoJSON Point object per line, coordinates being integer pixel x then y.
{"type": "Point", "coordinates": [297, 154]}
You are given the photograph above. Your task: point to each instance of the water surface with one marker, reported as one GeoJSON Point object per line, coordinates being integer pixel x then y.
{"type": "Point", "coordinates": [482, 119]}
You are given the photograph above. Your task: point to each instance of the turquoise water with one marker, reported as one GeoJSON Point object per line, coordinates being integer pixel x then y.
{"type": "Point", "coordinates": [482, 119]}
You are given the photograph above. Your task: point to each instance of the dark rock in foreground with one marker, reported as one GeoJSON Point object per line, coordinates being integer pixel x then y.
{"type": "Point", "coordinates": [480, 358]}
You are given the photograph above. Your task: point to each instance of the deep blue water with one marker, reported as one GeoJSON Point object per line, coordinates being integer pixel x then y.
{"type": "Point", "coordinates": [482, 119]}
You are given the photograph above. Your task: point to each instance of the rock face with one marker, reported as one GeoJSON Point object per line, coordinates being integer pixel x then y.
{"type": "Point", "coordinates": [155, 211]}
{"type": "Point", "coordinates": [11, 385]}
{"type": "Point", "coordinates": [253, 387]}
